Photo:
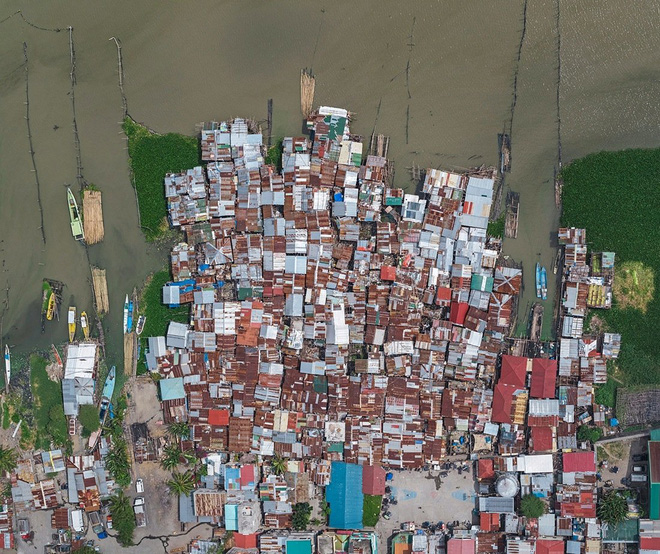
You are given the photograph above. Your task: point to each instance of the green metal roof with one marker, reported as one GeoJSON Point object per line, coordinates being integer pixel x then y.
{"type": "Point", "coordinates": [654, 501]}
{"type": "Point", "coordinates": [655, 434]}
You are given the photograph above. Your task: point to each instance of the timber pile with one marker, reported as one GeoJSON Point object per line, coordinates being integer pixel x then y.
{"type": "Point", "coordinates": [307, 85]}
{"type": "Point", "coordinates": [100, 290]}
{"type": "Point", "coordinates": [93, 216]}
{"type": "Point", "coordinates": [129, 353]}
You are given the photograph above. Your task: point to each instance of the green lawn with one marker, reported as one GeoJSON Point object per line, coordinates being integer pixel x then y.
{"type": "Point", "coordinates": [616, 197]}
{"type": "Point", "coordinates": [151, 157]}
{"type": "Point", "coordinates": [50, 421]}
{"type": "Point", "coordinates": [371, 509]}
{"type": "Point", "coordinates": [158, 315]}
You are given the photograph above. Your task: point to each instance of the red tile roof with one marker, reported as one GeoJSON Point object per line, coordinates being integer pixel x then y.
{"type": "Point", "coordinates": [514, 371]}
{"type": "Point", "coordinates": [489, 522]}
{"type": "Point", "coordinates": [373, 480]}
{"type": "Point", "coordinates": [245, 541]}
{"type": "Point", "coordinates": [502, 401]}
{"type": "Point", "coordinates": [579, 461]}
{"type": "Point", "coordinates": [544, 378]}
{"type": "Point", "coordinates": [461, 546]}
{"type": "Point", "coordinates": [218, 417]}
{"type": "Point", "coordinates": [388, 273]}
{"type": "Point", "coordinates": [550, 546]}
{"type": "Point", "coordinates": [458, 312]}
{"type": "Point", "coordinates": [485, 469]}
{"type": "Point", "coordinates": [541, 439]}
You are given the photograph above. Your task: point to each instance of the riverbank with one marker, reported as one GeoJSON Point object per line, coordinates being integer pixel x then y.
{"type": "Point", "coordinates": [615, 197]}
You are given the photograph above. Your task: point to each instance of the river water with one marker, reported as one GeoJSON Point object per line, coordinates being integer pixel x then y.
{"type": "Point", "coordinates": [190, 62]}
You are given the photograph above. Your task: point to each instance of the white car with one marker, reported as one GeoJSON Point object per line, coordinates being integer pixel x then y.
{"type": "Point", "coordinates": [139, 486]}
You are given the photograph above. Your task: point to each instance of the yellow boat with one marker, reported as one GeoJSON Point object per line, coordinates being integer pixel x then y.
{"type": "Point", "coordinates": [84, 324]}
{"type": "Point", "coordinates": [72, 323]}
{"type": "Point", "coordinates": [51, 307]}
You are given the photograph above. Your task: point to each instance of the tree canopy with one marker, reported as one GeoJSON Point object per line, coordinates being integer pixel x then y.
{"type": "Point", "coordinates": [532, 506]}
{"type": "Point", "coordinates": [613, 507]}
{"type": "Point", "coordinates": [301, 514]}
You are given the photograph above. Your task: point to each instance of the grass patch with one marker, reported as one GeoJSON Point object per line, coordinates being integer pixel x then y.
{"type": "Point", "coordinates": [615, 196]}
{"type": "Point", "coordinates": [371, 509]}
{"type": "Point", "coordinates": [50, 421]}
{"type": "Point", "coordinates": [158, 314]}
{"type": "Point", "coordinates": [274, 154]}
{"type": "Point", "coordinates": [496, 227]}
{"type": "Point", "coordinates": [6, 418]}
{"type": "Point", "coordinates": [151, 157]}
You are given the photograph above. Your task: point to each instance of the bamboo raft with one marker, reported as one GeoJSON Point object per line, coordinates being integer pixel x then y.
{"type": "Point", "coordinates": [93, 216]}
{"type": "Point", "coordinates": [130, 346]}
{"type": "Point", "coordinates": [307, 86]}
{"type": "Point", "coordinates": [512, 211]}
{"type": "Point", "coordinates": [100, 286]}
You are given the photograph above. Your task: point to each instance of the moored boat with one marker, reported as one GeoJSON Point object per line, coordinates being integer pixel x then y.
{"type": "Point", "coordinates": [538, 280]}
{"type": "Point", "coordinates": [106, 395]}
{"type": "Point", "coordinates": [50, 311]}
{"type": "Point", "coordinates": [84, 324]}
{"type": "Point", "coordinates": [544, 283]}
{"type": "Point", "coordinates": [74, 215]}
{"type": "Point", "coordinates": [126, 314]}
{"type": "Point", "coordinates": [71, 320]}
{"type": "Point", "coordinates": [7, 366]}
{"type": "Point", "coordinates": [140, 324]}
{"type": "Point", "coordinates": [129, 319]}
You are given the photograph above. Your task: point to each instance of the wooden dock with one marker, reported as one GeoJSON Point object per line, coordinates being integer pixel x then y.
{"type": "Point", "coordinates": [307, 86]}
{"type": "Point", "coordinates": [512, 212]}
{"type": "Point", "coordinates": [100, 286]}
{"type": "Point", "coordinates": [93, 216]}
{"type": "Point", "coordinates": [130, 348]}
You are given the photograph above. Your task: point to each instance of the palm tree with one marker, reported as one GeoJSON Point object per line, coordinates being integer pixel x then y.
{"type": "Point", "coordinates": [8, 459]}
{"type": "Point", "coordinates": [613, 507]}
{"type": "Point", "coordinates": [189, 456]}
{"type": "Point", "coordinates": [179, 430]}
{"type": "Point", "coordinates": [182, 483]}
{"type": "Point", "coordinates": [171, 457]}
{"type": "Point", "coordinates": [278, 464]}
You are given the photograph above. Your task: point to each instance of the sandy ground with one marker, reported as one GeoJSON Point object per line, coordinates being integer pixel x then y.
{"type": "Point", "coordinates": [418, 500]}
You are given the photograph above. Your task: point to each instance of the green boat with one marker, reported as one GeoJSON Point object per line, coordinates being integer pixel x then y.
{"type": "Point", "coordinates": [74, 215]}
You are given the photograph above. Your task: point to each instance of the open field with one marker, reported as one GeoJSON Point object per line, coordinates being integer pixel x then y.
{"type": "Point", "coordinates": [616, 197]}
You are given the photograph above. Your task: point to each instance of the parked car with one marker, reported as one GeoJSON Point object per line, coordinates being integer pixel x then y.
{"type": "Point", "coordinates": [97, 526]}
{"type": "Point", "coordinates": [387, 515]}
{"type": "Point", "coordinates": [139, 486]}
{"type": "Point", "coordinates": [140, 512]}
{"type": "Point", "coordinates": [640, 458]}
{"type": "Point", "coordinates": [639, 469]}
{"type": "Point", "coordinates": [108, 522]}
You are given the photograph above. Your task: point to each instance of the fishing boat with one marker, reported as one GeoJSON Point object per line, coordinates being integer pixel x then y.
{"type": "Point", "coordinates": [538, 280]}
{"type": "Point", "coordinates": [129, 319]}
{"type": "Point", "coordinates": [50, 311]}
{"type": "Point", "coordinates": [140, 324]}
{"type": "Point", "coordinates": [71, 319]}
{"type": "Point", "coordinates": [126, 314]}
{"type": "Point", "coordinates": [544, 284]}
{"type": "Point", "coordinates": [555, 264]}
{"type": "Point", "coordinates": [74, 215]}
{"type": "Point", "coordinates": [84, 324]}
{"type": "Point", "coordinates": [7, 366]}
{"type": "Point", "coordinates": [106, 397]}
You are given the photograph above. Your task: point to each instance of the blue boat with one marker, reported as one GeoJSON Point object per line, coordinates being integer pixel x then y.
{"type": "Point", "coordinates": [108, 391]}
{"type": "Point", "coordinates": [544, 283]}
{"type": "Point", "coordinates": [538, 280]}
{"type": "Point", "coordinates": [129, 319]}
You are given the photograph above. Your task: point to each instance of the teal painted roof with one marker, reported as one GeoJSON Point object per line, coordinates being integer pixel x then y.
{"type": "Point", "coordinates": [654, 501]}
{"type": "Point", "coordinates": [231, 517]}
{"type": "Point", "coordinates": [171, 389]}
{"type": "Point", "coordinates": [344, 494]}
{"type": "Point", "coordinates": [655, 434]}
{"type": "Point", "coordinates": [299, 547]}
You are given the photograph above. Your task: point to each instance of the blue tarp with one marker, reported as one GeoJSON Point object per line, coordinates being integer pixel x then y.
{"type": "Point", "coordinates": [344, 494]}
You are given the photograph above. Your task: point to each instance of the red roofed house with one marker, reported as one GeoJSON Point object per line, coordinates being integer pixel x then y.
{"type": "Point", "coordinates": [544, 378]}
{"type": "Point", "coordinates": [649, 544]}
{"type": "Point", "coordinates": [584, 506]}
{"type": "Point", "coordinates": [443, 296]}
{"type": "Point", "coordinates": [247, 476]}
{"type": "Point", "coordinates": [550, 546]}
{"type": "Point", "coordinates": [489, 522]}
{"type": "Point", "coordinates": [457, 312]}
{"type": "Point", "coordinates": [218, 417]}
{"type": "Point", "coordinates": [502, 402]}
{"type": "Point", "coordinates": [485, 469]}
{"type": "Point", "coordinates": [542, 439]}
{"type": "Point", "coordinates": [388, 273]}
{"type": "Point", "coordinates": [514, 371]}
{"type": "Point", "coordinates": [245, 541]}
{"type": "Point", "coordinates": [373, 480]}
{"type": "Point", "coordinates": [461, 546]}
{"type": "Point", "coordinates": [583, 462]}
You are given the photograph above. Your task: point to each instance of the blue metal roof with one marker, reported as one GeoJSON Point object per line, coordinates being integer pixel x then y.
{"type": "Point", "coordinates": [344, 494]}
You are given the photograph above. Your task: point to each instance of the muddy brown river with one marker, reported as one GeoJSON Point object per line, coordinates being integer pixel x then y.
{"type": "Point", "coordinates": [436, 76]}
